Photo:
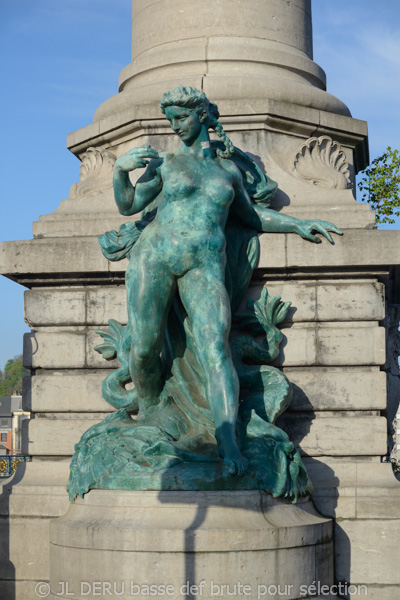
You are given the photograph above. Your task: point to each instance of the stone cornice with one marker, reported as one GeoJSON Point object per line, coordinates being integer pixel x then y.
{"type": "Point", "coordinates": [73, 260]}
{"type": "Point", "coordinates": [269, 115]}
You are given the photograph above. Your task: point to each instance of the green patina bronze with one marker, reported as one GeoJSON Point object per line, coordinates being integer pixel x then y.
{"type": "Point", "coordinates": [206, 400]}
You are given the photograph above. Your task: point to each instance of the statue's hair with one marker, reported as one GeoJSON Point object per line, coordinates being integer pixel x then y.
{"type": "Point", "coordinates": [194, 99]}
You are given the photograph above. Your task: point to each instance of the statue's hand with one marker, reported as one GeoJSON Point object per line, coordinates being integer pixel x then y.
{"type": "Point", "coordinates": [136, 158]}
{"type": "Point", "coordinates": [306, 229]}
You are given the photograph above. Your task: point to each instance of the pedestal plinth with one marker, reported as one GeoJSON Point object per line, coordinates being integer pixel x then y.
{"type": "Point", "coordinates": [188, 545]}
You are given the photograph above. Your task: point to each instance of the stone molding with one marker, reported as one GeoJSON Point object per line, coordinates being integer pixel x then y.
{"type": "Point", "coordinates": [95, 173]}
{"type": "Point", "coordinates": [42, 261]}
{"type": "Point", "coordinates": [322, 162]}
{"type": "Point", "coordinates": [272, 115]}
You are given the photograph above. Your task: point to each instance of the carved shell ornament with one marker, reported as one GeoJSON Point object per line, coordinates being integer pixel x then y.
{"type": "Point", "coordinates": [95, 173]}
{"type": "Point", "coordinates": [321, 161]}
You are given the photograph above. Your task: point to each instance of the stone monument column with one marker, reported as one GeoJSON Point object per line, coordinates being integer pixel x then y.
{"type": "Point", "coordinates": [232, 50]}
{"type": "Point", "coordinates": [254, 58]}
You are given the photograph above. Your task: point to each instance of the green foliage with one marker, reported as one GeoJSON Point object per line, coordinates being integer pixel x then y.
{"type": "Point", "coordinates": [11, 378]}
{"type": "Point", "coordinates": [396, 468]}
{"type": "Point", "coordinates": [381, 185]}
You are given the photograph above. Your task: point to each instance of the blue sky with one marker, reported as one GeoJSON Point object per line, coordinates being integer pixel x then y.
{"type": "Point", "coordinates": [62, 58]}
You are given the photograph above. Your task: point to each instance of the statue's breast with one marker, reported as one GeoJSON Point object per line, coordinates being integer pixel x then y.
{"type": "Point", "coordinates": [186, 177]}
{"type": "Point", "coordinates": [179, 183]}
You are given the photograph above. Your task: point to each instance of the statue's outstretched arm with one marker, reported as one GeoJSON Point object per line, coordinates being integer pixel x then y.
{"type": "Point", "coordinates": [268, 220]}
{"type": "Point", "coordinates": [133, 199]}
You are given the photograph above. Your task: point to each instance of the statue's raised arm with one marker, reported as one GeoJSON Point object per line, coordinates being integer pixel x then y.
{"type": "Point", "coordinates": [132, 200]}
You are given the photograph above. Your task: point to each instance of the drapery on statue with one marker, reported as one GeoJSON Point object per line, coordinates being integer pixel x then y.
{"type": "Point", "coordinates": [205, 417]}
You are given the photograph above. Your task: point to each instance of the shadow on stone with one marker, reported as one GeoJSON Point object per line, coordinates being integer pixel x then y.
{"type": "Point", "coordinates": [7, 568]}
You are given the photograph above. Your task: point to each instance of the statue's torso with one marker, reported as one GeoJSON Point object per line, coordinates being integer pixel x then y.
{"type": "Point", "coordinates": [192, 212]}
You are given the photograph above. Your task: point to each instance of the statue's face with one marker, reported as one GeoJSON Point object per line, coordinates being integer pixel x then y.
{"type": "Point", "coordinates": [185, 122]}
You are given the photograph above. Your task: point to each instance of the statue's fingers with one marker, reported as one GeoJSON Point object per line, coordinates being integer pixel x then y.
{"type": "Point", "coordinates": [311, 237]}
{"type": "Point", "coordinates": [148, 148]}
{"type": "Point", "coordinates": [321, 229]}
{"type": "Point", "coordinates": [331, 227]}
{"type": "Point", "coordinates": [145, 150]}
{"type": "Point", "coordinates": [335, 229]}
{"type": "Point", "coordinates": [141, 163]}
{"type": "Point", "coordinates": [148, 153]}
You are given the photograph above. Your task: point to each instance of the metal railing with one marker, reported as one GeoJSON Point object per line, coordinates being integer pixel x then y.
{"type": "Point", "coordinates": [9, 463]}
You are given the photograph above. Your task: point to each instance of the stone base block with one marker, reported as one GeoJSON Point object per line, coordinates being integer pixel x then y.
{"type": "Point", "coordinates": [193, 545]}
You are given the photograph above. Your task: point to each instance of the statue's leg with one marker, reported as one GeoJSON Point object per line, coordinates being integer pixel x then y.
{"type": "Point", "coordinates": [150, 289]}
{"type": "Point", "coordinates": [206, 301]}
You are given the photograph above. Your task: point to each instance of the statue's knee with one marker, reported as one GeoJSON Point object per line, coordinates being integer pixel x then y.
{"type": "Point", "coordinates": [143, 357]}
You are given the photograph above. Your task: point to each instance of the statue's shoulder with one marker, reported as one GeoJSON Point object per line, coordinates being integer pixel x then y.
{"type": "Point", "coordinates": [230, 166]}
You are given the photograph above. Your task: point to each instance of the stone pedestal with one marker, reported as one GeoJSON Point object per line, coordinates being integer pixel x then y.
{"type": "Point", "coordinates": [193, 545]}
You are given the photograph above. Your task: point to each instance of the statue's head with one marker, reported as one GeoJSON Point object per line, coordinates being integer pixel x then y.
{"type": "Point", "coordinates": [193, 99]}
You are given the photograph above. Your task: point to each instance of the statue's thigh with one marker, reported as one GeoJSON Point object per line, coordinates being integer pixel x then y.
{"type": "Point", "coordinates": [150, 289]}
{"type": "Point", "coordinates": [206, 301]}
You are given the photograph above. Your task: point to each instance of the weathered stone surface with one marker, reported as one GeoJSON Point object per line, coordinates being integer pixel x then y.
{"type": "Point", "coordinates": [305, 345]}
{"type": "Point", "coordinates": [332, 345]}
{"type": "Point", "coordinates": [58, 255]}
{"type": "Point", "coordinates": [106, 303]}
{"type": "Point", "coordinates": [357, 247]}
{"type": "Point", "coordinates": [367, 551]}
{"type": "Point", "coordinates": [335, 436]}
{"type": "Point", "coordinates": [75, 306]}
{"type": "Point", "coordinates": [335, 300]}
{"type": "Point", "coordinates": [314, 389]}
{"type": "Point", "coordinates": [38, 492]}
{"type": "Point", "coordinates": [82, 255]}
{"type": "Point", "coordinates": [272, 545]}
{"type": "Point", "coordinates": [71, 349]}
{"type": "Point", "coordinates": [370, 505]}
{"type": "Point", "coordinates": [350, 301]}
{"type": "Point", "coordinates": [24, 544]}
{"type": "Point", "coordinates": [39, 501]}
{"type": "Point", "coordinates": [331, 472]}
{"type": "Point", "coordinates": [19, 589]}
{"type": "Point", "coordinates": [51, 307]}
{"type": "Point", "coordinates": [72, 225]}
{"type": "Point", "coordinates": [347, 490]}
{"type": "Point", "coordinates": [55, 349]}
{"type": "Point", "coordinates": [334, 389]}
{"type": "Point", "coordinates": [376, 475]}
{"type": "Point", "coordinates": [56, 437]}
{"type": "Point", "coordinates": [65, 392]}
{"type": "Point", "coordinates": [347, 345]}
{"type": "Point", "coordinates": [382, 592]}
{"type": "Point", "coordinates": [335, 503]}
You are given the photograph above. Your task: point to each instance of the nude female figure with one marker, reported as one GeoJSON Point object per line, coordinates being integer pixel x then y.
{"type": "Point", "coordinates": [183, 250]}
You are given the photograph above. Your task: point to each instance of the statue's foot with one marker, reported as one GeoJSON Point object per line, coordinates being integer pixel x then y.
{"type": "Point", "coordinates": [234, 461]}
{"type": "Point", "coordinates": [146, 405]}
{"type": "Point", "coordinates": [236, 466]}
